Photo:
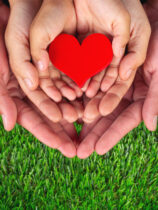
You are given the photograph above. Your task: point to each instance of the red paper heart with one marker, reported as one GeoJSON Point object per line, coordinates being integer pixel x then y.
{"type": "Point", "coordinates": [80, 62]}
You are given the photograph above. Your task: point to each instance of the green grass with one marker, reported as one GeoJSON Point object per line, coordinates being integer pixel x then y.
{"type": "Point", "coordinates": [33, 176]}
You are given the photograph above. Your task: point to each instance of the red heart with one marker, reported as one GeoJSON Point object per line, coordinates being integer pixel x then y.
{"type": "Point", "coordinates": [80, 62]}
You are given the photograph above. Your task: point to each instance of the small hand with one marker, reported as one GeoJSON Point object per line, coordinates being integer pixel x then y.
{"type": "Point", "coordinates": [108, 17]}
{"type": "Point", "coordinates": [53, 18]}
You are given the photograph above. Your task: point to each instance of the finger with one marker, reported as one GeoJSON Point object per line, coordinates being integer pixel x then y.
{"type": "Point", "coordinates": [30, 120]}
{"type": "Point", "coordinates": [126, 121]}
{"type": "Point", "coordinates": [65, 90]}
{"type": "Point", "coordinates": [72, 84]}
{"type": "Point", "coordinates": [50, 89]}
{"type": "Point", "coordinates": [94, 84]}
{"type": "Point", "coordinates": [66, 132]}
{"type": "Point", "coordinates": [110, 75]}
{"type": "Point", "coordinates": [87, 146]}
{"type": "Point", "coordinates": [7, 108]}
{"type": "Point", "coordinates": [68, 111]}
{"type": "Point", "coordinates": [150, 108]}
{"type": "Point", "coordinates": [114, 95]}
{"type": "Point", "coordinates": [137, 50]}
{"type": "Point", "coordinates": [92, 109]}
{"type": "Point", "coordinates": [18, 45]}
{"type": "Point", "coordinates": [42, 101]}
{"type": "Point", "coordinates": [43, 31]}
{"type": "Point", "coordinates": [121, 34]}
{"type": "Point", "coordinates": [92, 132]}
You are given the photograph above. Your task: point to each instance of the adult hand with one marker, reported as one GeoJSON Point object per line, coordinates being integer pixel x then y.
{"type": "Point", "coordinates": [150, 108]}
{"type": "Point", "coordinates": [7, 106]}
{"type": "Point", "coordinates": [106, 132]}
{"type": "Point", "coordinates": [17, 41]}
{"type": "Point", "coordinates": [15, 108]}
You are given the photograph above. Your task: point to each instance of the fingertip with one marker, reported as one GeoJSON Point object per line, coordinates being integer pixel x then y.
{"type": "Point", "coordinates": [100, 149]}
{"type": "Point", "coordinates": [68, 150]}
{"type": "Point", "coordinates": [84, 151]}
{"type": "Point", "coordinates": [9, 116]}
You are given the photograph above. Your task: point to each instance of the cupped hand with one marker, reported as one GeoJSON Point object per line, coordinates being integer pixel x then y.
{"type": "Point", "coordinates": [53, 18]}
{"type": "Point", "coordinates": [104, 103]}
{"type": "Point", "coordinates": [17, 41]}
{"type": "Point", "coordinates": [108, 17]}
{"type": "Point", "coordinates": [105, 132]}
{"type": "Point", "coordinates": [14, 107]}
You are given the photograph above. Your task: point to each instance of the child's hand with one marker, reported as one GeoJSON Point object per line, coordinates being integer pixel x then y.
{"type": "Point", "coordinates": [111, 18]}
{"type": "Point", "coordinates": [53, 18]}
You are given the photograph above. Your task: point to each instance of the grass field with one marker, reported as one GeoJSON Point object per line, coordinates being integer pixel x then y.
{"type": "Point", "coordinates": [33, 176]}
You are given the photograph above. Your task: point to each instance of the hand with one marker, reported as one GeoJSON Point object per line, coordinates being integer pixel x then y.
{"type": "Point", "coordinates": [106, 132]}
{"type": "Point", "coordinates": [7, 106]}
{"type": "Point", "coordinates": [17, 41]}
{"type": "Point", "coordinates": [61, 136]}
{"type": "Point", "coordinates": [104, 104]}
{"type": "Point", "coordinates": [150, 108]}
{"type": "Point", "coordinates": [111, 18]}
{"type": "Point", "coordinates": [53, 18]}
{"type": "Point", "coordinates": [14, 108]}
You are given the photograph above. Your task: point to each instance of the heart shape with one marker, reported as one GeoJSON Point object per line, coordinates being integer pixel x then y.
{"type": "Point", "coordinates": [80, 62]}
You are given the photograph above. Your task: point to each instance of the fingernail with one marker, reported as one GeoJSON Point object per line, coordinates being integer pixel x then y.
{"type": "Point", "coordinates": [4, 121]}
{"type": "Point", "coordinates": [128, 73]}
{"type": "Point", "coordinates": [40, 65]}
{"type": "Point", "coordinates": [155, 122]}
{"type": "Point", "coordinates": [28, 82]}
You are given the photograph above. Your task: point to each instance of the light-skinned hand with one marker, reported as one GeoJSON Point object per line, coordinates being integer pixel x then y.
{"type": "Point", "coordinates": [53, 18]}
{"type": "Point", "coordinates": [105, 132]}
{"type": "Point", "coordinates": [17, 41]}
{"type": "Point", "coordinates": [150, 108]}
{"type": "Point", "coordinates": [104, 103]}
{"type": "Point", "coordinates": [108, 17]}
{"type": "Point", "coordinates": [7, 107]}
{"type": "Point", "coordinates": [14, 107]}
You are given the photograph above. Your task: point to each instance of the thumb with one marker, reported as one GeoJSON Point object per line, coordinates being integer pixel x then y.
{"type": "Point", "coordinates": [43, 31]}
{"type": "Point", "coordinates": [16, 37]}
{"type": "Point", "coordinates": [7, 108]}
{"type": "Point", "coordinates": [121, 34]}
{"type": "Point", "coordinates": [150, 108]}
